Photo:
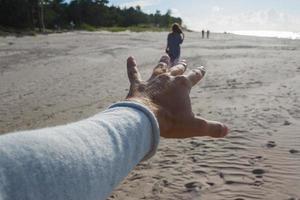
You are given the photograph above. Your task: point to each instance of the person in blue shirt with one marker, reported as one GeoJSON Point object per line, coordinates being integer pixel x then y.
{"type": "Point", "coordinates": [86, 160]}
{"type": "Point", "coordinates": [175, 39]}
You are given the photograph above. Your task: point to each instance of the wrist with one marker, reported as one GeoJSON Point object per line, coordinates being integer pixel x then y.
{"type": "Point", "coordinates": [160, 114]}
{"type": "Point", "coordinates": [146, 102]}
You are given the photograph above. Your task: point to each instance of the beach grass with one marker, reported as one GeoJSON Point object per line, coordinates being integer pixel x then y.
{"type": "Point", "coordinates": [138, 28]}
{"type": "Point", "coordinates": [6, 31]}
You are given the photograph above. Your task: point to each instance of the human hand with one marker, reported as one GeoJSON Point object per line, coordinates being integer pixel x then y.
{"type": "Point", "coordinates": [166, 94]}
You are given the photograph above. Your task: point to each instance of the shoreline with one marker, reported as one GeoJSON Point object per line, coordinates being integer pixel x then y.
{"type": "Point", "coordinates": [124, 30]}
{"type": "Point", "coordinates": [262, 34]}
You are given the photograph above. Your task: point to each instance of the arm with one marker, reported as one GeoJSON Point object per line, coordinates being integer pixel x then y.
{"type": "Point", "coordinates": [168, 44]}
{"type": "Point", "coordinates": [181, 37]}
{"type": "Point", "coordinates": [87, 159]}
{"type": "Point", "coordinates": [82, 160]}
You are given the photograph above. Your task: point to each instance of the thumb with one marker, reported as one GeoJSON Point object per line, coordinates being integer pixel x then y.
{"type": "Point", "coordinates": [202, 127]}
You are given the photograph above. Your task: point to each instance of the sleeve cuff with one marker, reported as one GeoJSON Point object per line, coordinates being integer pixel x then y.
{"type": "Point", "coordinates": [151, 117]}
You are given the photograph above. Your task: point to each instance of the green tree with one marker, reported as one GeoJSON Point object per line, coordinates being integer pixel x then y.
{"type": "Point", "coordinates": [22, 14]}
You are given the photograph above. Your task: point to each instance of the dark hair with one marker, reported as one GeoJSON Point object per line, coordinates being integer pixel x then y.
{"type": "Point", "coordinates": [176, 28]}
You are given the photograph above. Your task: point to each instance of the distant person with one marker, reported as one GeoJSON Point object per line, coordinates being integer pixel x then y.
{"type": "Point", "coordinates": [87, 159]}
{"type": "Point", "coordinates": [207, 34]}
{"type": "Point", "coordinates": [56, 27]}
{"type": "Point", "coordinates": [175, 39]}
{"type": "Point", "coordinates": [72, 25]}
{"type": "Point", "coordinates": [203, 32]}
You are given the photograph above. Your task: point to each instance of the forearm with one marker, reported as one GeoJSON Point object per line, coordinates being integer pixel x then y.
{"type": "Point", "coordinates": [82, 160]}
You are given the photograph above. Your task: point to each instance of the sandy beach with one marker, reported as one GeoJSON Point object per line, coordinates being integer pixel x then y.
{"type": "Point", "coordinates": [252, 84]}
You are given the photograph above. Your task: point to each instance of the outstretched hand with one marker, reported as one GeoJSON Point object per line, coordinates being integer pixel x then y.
{"type": "Point", "coordinates": [166, 94]}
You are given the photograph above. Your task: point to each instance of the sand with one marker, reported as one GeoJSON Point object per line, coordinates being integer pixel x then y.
{"type": "Point", "coordinates": [252, 84]}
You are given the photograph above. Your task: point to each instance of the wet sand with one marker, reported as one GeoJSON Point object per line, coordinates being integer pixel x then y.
{"type": "Point", "coordinates": [252, 84]}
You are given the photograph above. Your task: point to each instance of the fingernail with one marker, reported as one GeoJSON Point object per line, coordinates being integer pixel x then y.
{"type": "Point", "coordinates": [162, 64]}
{"type": "Point", "coordinates": [130, 58]}
{"type": "Point", "coordinates": [164, 59]}
{"type": "Point", "coordinates": [131, 62]}
{"type": "Point", "coordinates": [183, 63]}
{"type": "Point", "coordinates": [202, 69]}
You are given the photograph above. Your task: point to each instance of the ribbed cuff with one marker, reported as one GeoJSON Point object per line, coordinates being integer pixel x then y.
{"type": "Point", "coordinates": [152, 118]}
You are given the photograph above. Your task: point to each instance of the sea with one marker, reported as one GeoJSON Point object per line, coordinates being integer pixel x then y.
{"type": "Point", "coordinates": [276, 34]}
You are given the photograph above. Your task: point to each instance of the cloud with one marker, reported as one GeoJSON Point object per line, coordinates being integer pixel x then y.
{"type": "Point", "coordinates": [220, 20]}
{"type": "Point", "coordinates": [175, 12]}
{"type": "Point", "coordinates": [141, 3]}
{"type": "Point", "coordinates": [216, 9]}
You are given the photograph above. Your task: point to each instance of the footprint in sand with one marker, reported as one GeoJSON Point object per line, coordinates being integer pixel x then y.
{"type": "Point", "coordinates": [136, 176]}
{"type": "Point", "coordinates": [258, 171]}
{"type": "Point", "coordinates": [193, 186]}
{"type": "Point", "coordinates": [156, 189]}
{"type": "Point", "coordinates": [271, 144]}
{"type": "Point", "coordinates": [229, 182]}
{"type": "Point", "coordinates": [194, 159]}
{"type": "Point", "coordinates": [166, 183]}
{"type": "Point", "coordinates": [286, 123]}
{"type": "Point", "coordinates": [49, 105]}
{"type": "Point", "coordinates": [210, 183]}
{"type": "Point", "coordinates": [258, 183]}
{"type": "Point", "coordinates": [221, 175]}
{"type": "Point", "coordinates": [293, 151]}
{"type": "Point", "coordinates": [293, 198]}
{"type": "Point", "coordinates": [196, 143]}
{"type": "Point", "coordinates": [255, 159]}
{"type": "Point", "coordinates": [36, 108]}
{"type": "Point", "coordinates": [199, 172]}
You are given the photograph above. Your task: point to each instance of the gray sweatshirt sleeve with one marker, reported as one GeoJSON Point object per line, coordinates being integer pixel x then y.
{"type": "Point", "coordinates": [81, 160]}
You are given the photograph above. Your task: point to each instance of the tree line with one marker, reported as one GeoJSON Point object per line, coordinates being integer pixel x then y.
{"type": "Point", "coordinates": [50, 14]}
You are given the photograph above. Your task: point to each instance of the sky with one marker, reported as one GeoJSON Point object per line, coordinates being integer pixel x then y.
{"type": "Point", "coordinates": [227, 15]}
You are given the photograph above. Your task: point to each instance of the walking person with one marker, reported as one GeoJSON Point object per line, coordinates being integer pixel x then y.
{"type": "Point", "coordinates": [175, 39]}
{"type": "Point", "coordinates": [207, 34]}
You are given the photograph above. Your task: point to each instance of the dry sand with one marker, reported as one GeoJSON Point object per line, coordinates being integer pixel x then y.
{"type": "Point", "coordinates": [252, 84]}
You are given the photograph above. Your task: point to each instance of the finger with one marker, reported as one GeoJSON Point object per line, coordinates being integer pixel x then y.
{"type": "Point", "coordinates": [178, 69]}
{"type": "Point", "coordinates": [133, 73]}
{"type": "Point", "coordinates": [162, 66]}
{"type": "Point", "coordinates": [195, 75]}
{"type": "Point", "coordinates": [159, 69]}
{"type": "Point", "coordinates": [196, 127]}
{"type": "Point", "coordinates": [202, 127]}
{"type": "Point", "coordinates": [165, 59]}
